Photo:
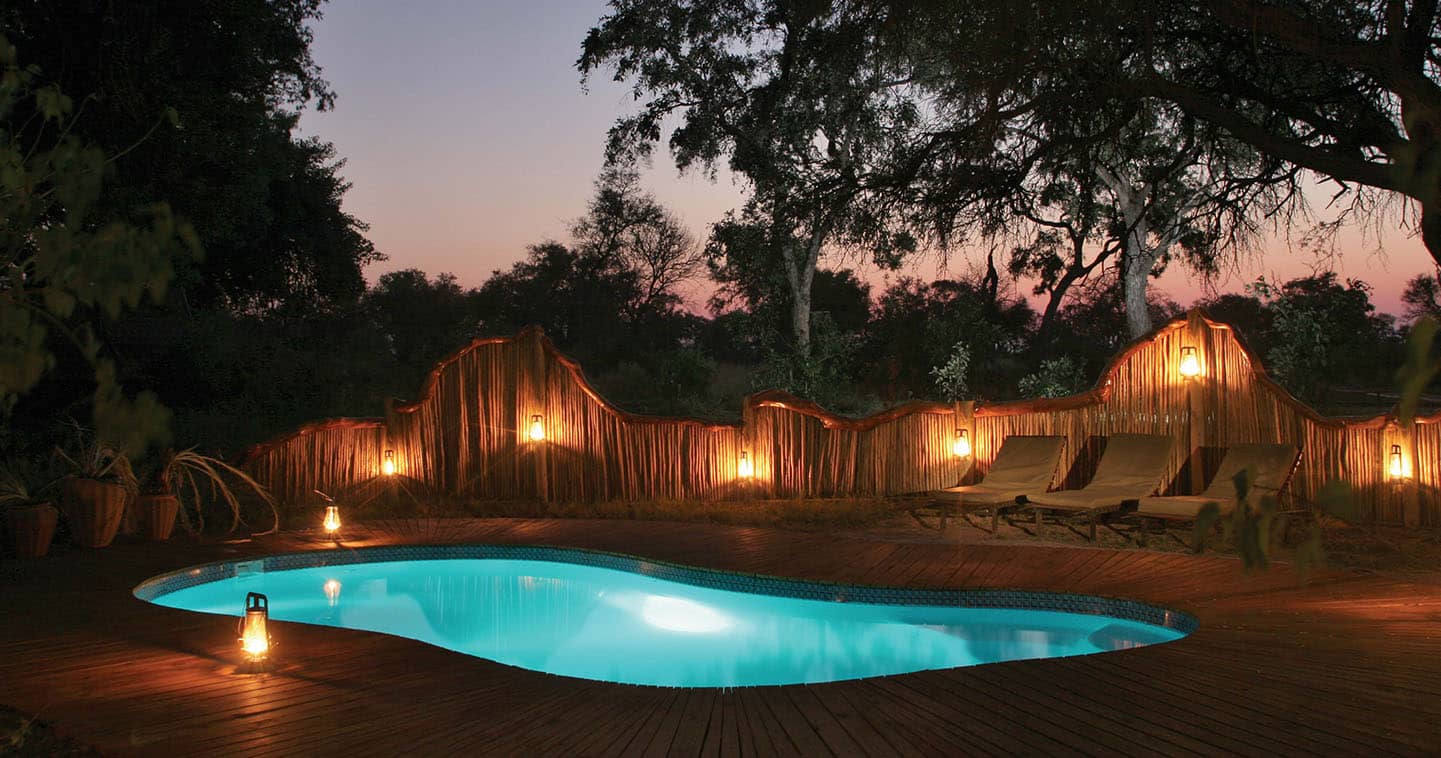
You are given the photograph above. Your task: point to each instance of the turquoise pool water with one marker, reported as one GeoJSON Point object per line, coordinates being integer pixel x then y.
{"type": "Point", "coordinates": [618, 626]}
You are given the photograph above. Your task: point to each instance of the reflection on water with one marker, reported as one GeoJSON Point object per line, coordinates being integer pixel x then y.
{"type": "Point", "coordinates": [616, 626]}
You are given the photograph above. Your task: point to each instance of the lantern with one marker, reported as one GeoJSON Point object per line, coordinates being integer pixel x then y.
{"type": "Point", "coordinates": [1190, 363]}
{"type": "Point", "coordinates": [332, 591]}
{"type": "Point", "coordinates": [537, 429]}
{"type": "Point", "coordinates": [744, 467]}
{"type": "Point", "coordinates": [1396, 467]}
{"type": "Point", "coordinates": [387, 465]}
{"type": "Point", "coordinates": [254, 636]}
{"type": "Point", "coordinates": [962, 446]}
{"type": "Point", "coordinates": [332, 519]}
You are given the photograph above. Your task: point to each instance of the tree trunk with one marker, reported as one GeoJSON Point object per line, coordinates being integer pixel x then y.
{"type": "Point", "coordinates": [1431, 231]}
{"type": "Point", "coordinates": [800, 268]}
{"type": "Point", "coordinates": [1137, 257]}
{"type": "Point", "coordinates": [1135, 275]}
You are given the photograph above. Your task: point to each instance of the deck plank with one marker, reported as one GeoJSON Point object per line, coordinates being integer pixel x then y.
{"type": "Point", "coordinates": [1350, 663]}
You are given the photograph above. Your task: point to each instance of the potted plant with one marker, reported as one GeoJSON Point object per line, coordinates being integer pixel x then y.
{"type": "Point", "coordinates": [29, 519]}
{"type": "Point", "coordinates": [94, 492]}
{"type": "Point", "coordinates": [173, 485]}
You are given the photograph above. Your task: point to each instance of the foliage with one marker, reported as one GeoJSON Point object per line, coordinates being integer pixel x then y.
{"type": "Point", "coordinates": [422, 319]}
{"type": "Point", "coordinates": [195, 479]}
{"type": "Point", "coordinates": [899, 355]}
{"type": "Point", "coordinates": [824, 375]}
{"type": "Point", "coordinates": [793, 98]}
{"type": "Point", "coordinates": [950, 377]}
{"type": "Point", "coordinates": [627, 227]}
{"type": "Point", "coordinates": [89, 458]}
{"type": "Point", "coordinates": [1056, 377]}
{"type": "Point", "coordinates": [266, 203]}
{"type": "Point", "coordinates": [1422, 297]}
{"type": "Point", "coordinates": [1324, 334]}
{"type": "Point", "coordinates": [66, 263]}
{"type": "Point", "coordinates": [1422, 366]}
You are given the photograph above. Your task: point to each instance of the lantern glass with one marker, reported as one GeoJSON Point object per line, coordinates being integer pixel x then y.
{"type": "Point", "coordinates": [254, 634]}
{"type": "Point", "coordinates": [962, 446]}
{"type": "Point", "coordinates": [1396, 467]}
{"type": "Point", "coordinates": [332, 519]}
{"type": "Point", "coordinates": [537, 429]}
{"type": "Point", "coordinates": [744, 468]}
{"type": "Point", "coordinates": [1190, 363]}
{"type": "Point", "coordinates": [387, 464]}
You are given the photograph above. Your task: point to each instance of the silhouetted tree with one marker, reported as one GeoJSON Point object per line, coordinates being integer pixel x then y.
{"type": "Point", "coordinates": [794, 98]}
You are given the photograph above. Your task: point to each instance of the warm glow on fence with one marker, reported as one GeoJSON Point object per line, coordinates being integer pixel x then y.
{"type": "Point", "coordinates": [1396, 466]}
{"type": "Point", "coordinates": [744, 467]}
{"type": "Point", "coordinates": [537, 429]}
{"type": "Point", "coordinates": [1190, 363]}
{"type": "Point", "coordinates": [962, 446]}
{"type": "Point", "coordinates": [332, 519]}
{"type": "Point", "coordinates": [387, 465]}
{"type": "Point", "coordinates": [254, 636]}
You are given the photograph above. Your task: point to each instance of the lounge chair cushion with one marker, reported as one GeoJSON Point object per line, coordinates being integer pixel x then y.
{"type": "Point", "coordinates": [1025, 463]}
{"type": "Point", "coordinates": [1270, 464]}
{"type": "Point", "coordinates": [1132, 466]}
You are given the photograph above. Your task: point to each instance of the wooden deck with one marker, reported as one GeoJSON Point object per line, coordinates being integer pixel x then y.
{"type": "Point", "coordinates": [1348, 665]}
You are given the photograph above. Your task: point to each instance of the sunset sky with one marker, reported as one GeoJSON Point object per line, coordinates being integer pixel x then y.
{"type": "Point", "coordinates": [468, 136]}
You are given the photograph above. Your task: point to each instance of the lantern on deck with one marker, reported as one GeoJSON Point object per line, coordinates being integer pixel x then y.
{"type": "Point", "coordinates": [1190, 363]}
{"type": "Point", "coordinates": [962, 446]}
{"type": "Point", "coordinates": [1396, 467]}
{"type": "Point", "coordinates": [744, 467]}
{"type": "Point", "coordinates": [332, 519]}
{"type": "Point", "coordinates": [254, 636]}
{"type": "Point", "coordinates": [387, 464]}
{"type": "Point", "coordinates": [537, 429]}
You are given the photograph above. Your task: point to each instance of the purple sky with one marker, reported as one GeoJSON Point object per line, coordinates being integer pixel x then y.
{"type": "Point", "coordinates": [468, 137]}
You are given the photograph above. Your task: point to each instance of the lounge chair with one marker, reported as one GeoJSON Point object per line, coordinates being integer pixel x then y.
{"type": "Point", "coordinates": [1132, 466]}
{"type": "Point", "coordinates": [1271, 466]}
{"type": "Point", "coordinates": [1025, 463]}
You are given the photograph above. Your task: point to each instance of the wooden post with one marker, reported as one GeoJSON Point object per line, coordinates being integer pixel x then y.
{"type": "Point", "coordinates": [1196, 403]}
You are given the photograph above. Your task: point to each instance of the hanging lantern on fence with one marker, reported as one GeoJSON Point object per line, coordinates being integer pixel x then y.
{"type": "Point", "coordinates": [332, 519]}
{"type": "Point", "coordinates": [537, 429]}
{"type": "Point", "coordinates": [254, 635]}
{"type": "Point", "coordinates": [1190, 362]}
{"type": "Point", "coordinates": [744, 467]}
{"type": "Point", "coordinates": [1396, 467]}
{"type": "Point", "coordinates": [387, 464]}
{"type": "Point", "coordinates": [962, 446]}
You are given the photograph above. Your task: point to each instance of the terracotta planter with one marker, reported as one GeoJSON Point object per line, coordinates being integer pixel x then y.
{"type": "Point", "coordinates": [93, 509]}
{"type": "Point", "coordinates": [155, 515]}
{"type": "Point", "coordinates": [30, 527]}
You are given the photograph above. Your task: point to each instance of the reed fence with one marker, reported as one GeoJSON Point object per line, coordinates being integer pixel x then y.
{"type": "Point", "coordinates": [470, 435]}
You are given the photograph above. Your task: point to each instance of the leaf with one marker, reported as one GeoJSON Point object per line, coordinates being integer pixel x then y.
{"type": "Point", "coordinates": [1419, 369]}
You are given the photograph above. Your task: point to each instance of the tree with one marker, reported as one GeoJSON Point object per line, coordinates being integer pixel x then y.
{"type": "Point", "coordinates": [1422, 297]}
{"type": "Point", "coordinates": [68, 264]}
{"type": "Point", "coordinates": [265, 204]}
{"type": "Point", "coordinates": [918, 326]}
{"type": "Point", "coordinates": [793, 97]}
{"type": "Point", "coordinates": [422, 319]}
{"type": "Point", "coordinates": [629, 227]}
{"type": "Point", "coordinates": [1325, 335]}
{"type": "Point", "coordinates": [1025, 125]}
{"type": "Point", "coordinates": [1350, 91]}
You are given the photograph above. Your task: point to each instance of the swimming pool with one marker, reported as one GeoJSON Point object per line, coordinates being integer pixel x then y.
{"type": "Point", "coordinates": [624, 619]}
